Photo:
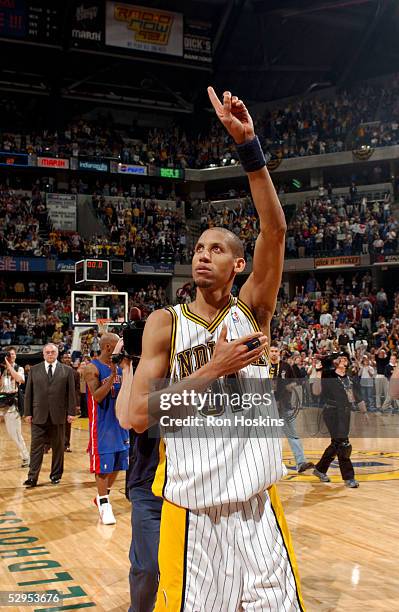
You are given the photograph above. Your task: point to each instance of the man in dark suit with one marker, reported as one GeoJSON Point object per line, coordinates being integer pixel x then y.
{"type": "Point", "coordinates": [50, 401]}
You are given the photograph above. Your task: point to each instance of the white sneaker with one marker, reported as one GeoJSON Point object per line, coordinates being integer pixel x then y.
{"type": "Point", "coordinates": [106, 514]}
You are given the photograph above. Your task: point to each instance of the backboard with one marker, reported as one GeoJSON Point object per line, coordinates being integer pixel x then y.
{"type": "Point", "coordinates": [89, 307]}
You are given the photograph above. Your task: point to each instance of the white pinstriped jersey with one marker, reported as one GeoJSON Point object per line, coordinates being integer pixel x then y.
{"type": "Point", "coordinates": [203, 470]}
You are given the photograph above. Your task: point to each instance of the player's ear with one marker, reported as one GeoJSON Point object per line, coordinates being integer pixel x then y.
{"type": "Point", "coordinates": [239, 265]}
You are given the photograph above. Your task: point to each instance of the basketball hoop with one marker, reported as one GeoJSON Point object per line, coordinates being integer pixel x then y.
{"type": "Point", "coordinates": [102, 325]}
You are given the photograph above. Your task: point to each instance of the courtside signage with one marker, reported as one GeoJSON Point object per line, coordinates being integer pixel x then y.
{"type": "Point", "coordinates": [131, 169]}
{"type": "Point", "coordinates": [53, 162]}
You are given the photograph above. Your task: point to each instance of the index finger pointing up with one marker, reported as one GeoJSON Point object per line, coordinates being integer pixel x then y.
{"type": "Point", "coordinates": [216, 103]}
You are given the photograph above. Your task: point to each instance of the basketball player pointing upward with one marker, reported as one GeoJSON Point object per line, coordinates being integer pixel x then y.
{"type": "Point", "coordinates": [224, 545]}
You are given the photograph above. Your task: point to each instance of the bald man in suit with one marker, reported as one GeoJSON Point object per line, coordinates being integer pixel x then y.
{"type": "Point", "coordinates": [50, 401]}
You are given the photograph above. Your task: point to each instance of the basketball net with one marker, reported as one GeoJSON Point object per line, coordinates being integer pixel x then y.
{"type": "Point", "coordinates": [103, 325]}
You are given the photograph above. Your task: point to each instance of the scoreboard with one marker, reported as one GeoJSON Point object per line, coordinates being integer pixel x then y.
{"type": "Point", "coordinates": [30, 20]}
{"type": "Point", "coordinates": [108, 26]}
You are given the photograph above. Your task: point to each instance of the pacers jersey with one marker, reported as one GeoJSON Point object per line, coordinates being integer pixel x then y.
{"type": "Point", "coordinates": [203, 469]}
{"type": "Point", "coordinates": [106, 435]}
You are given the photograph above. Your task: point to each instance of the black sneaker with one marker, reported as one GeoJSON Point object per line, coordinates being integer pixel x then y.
{"type": "Point", "coordinates": [306, 465]}
{"type": "Point", "coordinates": [30, 483]}
{"type": "Point", "coordinates": [55, 480]}
{"type": "Point", "coordinates": [68, 449]}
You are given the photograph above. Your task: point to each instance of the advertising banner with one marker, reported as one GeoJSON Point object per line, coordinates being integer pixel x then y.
{"type": "Point", "coordinates": [65, 265]}
{"type": "Point", "coordinates": [53, 162]}
{"type": "Point", "coordinates": [197, 43]}
{"type": "Point", "coordinates": [132, 169]}
{"type": "Point", "coordinates": [93, 165]}
{"type": "Point", "coordinates": [62, 211]}
{"type": "Point", "coordinates": [87, 25]}
{"type": "Point", "coordinates": [144, 29]}
{"type": "Point", "coordinates": [156, 268]}
{"type": "Point", "coordinates": [7, 158]}
{"type": "Point", "coordinates": [386, 259]}
{"type": "Point", "coordinates": [343, 260]}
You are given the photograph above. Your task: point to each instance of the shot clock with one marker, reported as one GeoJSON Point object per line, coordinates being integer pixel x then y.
{"type": "Point", "coordinates": [92, 271]}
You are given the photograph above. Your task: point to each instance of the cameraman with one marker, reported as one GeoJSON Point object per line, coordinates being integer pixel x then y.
{"type": "Point", "coordinates": [146, 507]}
{"type": "Point", "coordinates": [11, 378]}
{"type": "Point", "coordinates": [338, 394]}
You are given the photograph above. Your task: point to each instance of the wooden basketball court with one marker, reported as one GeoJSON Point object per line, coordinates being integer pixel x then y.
{"type": "Point", "coordinates": [345, 539]}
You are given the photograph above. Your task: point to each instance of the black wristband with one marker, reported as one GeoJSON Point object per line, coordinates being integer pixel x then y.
{"type": "Point", "coordinates": [251, 155]}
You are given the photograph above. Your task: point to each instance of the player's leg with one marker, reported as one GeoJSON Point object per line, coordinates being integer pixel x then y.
{"type": "Point", "coordinates": [110, 480]}
{"type": "Point", "coordinates": [121, 464]}
{"type": "Point", "coordinates": [197, 561]}
{"type": "Point", "coordinates": [270, 573]}
{"type": "Point", "coordinates": [105, 467]}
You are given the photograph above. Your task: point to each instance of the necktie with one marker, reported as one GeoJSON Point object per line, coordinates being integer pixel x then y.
{"type": "Point", "coordinates": [50, 372]}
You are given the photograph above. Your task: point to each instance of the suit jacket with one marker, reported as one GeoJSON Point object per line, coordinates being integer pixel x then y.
{"type": "Point", "coordinates": [56, 398]}
{"type": "Point", "coordinates": [76, 378]}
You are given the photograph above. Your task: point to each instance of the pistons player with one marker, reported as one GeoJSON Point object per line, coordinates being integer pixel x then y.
{"type": "Point", "coordinates": [108, 442]}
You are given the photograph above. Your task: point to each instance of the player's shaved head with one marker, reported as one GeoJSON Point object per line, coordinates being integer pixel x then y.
{"type": "Point", "coordinates": [108, 339]}
{"type": "Point", "coordinates": [229, 237]}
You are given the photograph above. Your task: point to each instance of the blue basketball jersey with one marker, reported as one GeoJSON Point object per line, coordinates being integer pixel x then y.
{"type": "Point", "coordinates": [106, 435]}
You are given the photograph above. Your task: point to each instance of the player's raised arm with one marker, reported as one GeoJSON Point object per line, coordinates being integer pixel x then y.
{"type": "Point", "coordinates": [260, 291]}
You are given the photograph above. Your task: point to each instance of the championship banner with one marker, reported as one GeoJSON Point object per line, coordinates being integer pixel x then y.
{"type": "Point", "coordinates": [23, 264]}
{"type": "Point", "coordinates": [341, 261]}
{"type": "Point", "coordinates": [61, 209]}
{"type": "Point", "coordinates": [363, 154]}
{"type": "Point", "coordinates": [143, 29]}
{"type": "Point", "coordinates": [87, 24]}
{"type": "Point", "coordinates": [197, 45]}
{"type": "Point", "coordinates": [53, 162]}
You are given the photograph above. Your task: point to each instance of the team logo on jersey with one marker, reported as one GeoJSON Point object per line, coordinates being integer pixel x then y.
{"type": "Point", "coordinates": [235, 317]}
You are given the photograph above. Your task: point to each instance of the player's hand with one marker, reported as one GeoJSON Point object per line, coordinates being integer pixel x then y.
{"type": "Point", "coordinates": [229, 357]}
{"type": "Point", "coordinates": [70, 418]}
{"type": "Point", "coordinates": [365, 418]}
{"type": "Point", "coordinates": [28, 419]}
{"type": "Point", "coordinates": [234, 115]}
{"type": "Point", "coordinates": [8, 365]}
{"type": "Point", "coordinates": [118, 347]}
{"type": "Point", "coordinates": [125, 363]}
